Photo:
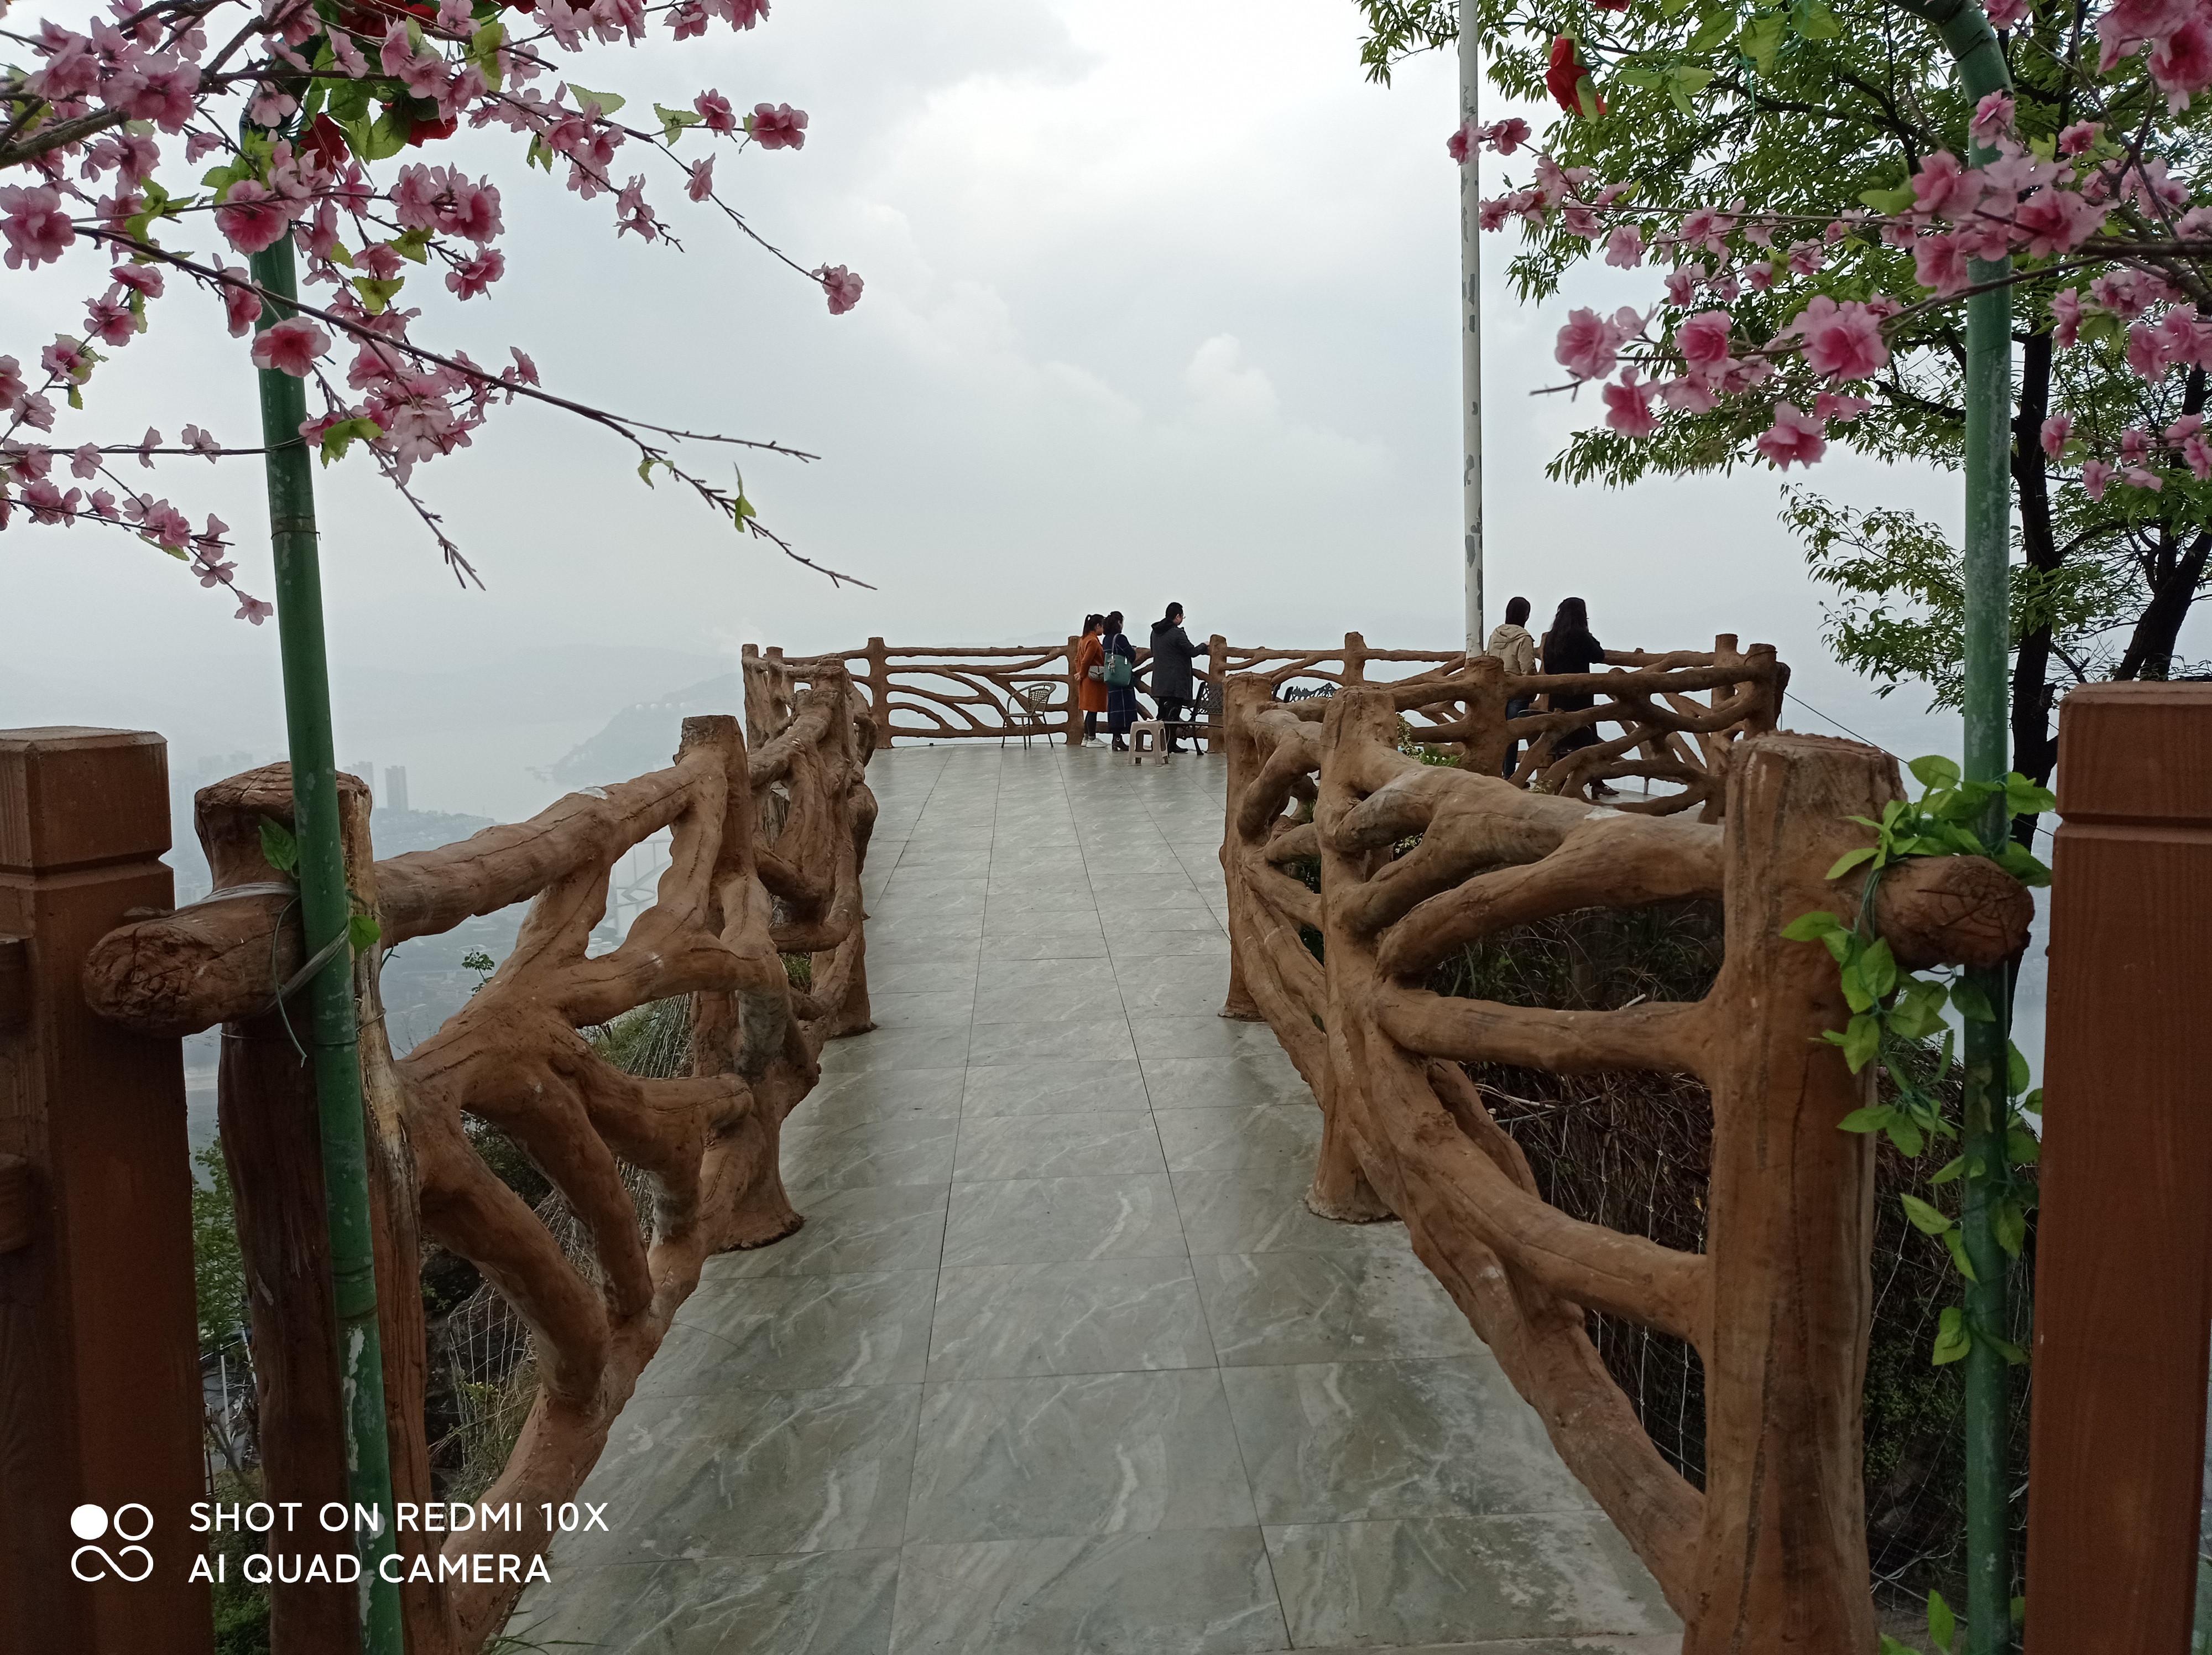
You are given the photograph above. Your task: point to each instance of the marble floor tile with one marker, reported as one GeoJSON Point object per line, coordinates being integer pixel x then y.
{"type": "Point", "coordinates": [797, 1333]}
{"type": "Point", "coordinates": [997, 974]}
{"type": "Point", "coordinates": [1029, 895]}
{"type": "Point", "coordinates": [1124, 944]}
{"type": "Point", "coordinates": [1253, 1134]}
{"type": "Point", "coordinates": [753, 1471]}
{"type": "Point", "coordinates": [1257, 1077]}
{"type": "Point", "coordinates": [1199, 1034]}
{"type": "Point", "coordinates": [1173, 987]}
{"type": "Point", "coordinates": [1368, 1305]}
{"type": "Point", "coordinates": [1102, 1041]}
{"type": "Point", "coordinates": [936, 976]}
{"type": "Point", "coordinates": [1045, 945]}
{"type": "Point", "coordinates": [1149, 896]}
{"type": "Point", "coordinates": [1055, 1086]}
{"type": "Point", "coordinates": [1012, 1459]}
{"type": "Point", "coordinates": [907, 1149]}
{"type": "Point", "coordinates": [1263, 1210]}
{"type": "Point", "coordinates": [1049, 1002]}
{"type": "Point", "coordinates": [1345, 1441]}
{"type": "Point", "coordinates": [1087, 1316]}
{"type": "Point", "coordinates": [921, 927]}
{"type": "Point", "coordinates": [1075, 1145]}
{"type": "Point", "coordinates": [898, 1227]}
{"type": "Point", "coordinates": [1020, 1220]}
{"type": "Point", "coordinates": [1209, 1592]}
{"type": "Point", "coordinates": [1433, 1579]}
{"type": "Point", "coordinates": [1005, 919]}
{"type": "Point", "coordinates": [938, 1008]}
{"type": "Point", "coordinates": [1191, 915]}
{"type": "Point", "coordinates": [841, 1098]}
{"type": "Point", "coordinates": [936, 1047]}
{"type": "Point", "coordinates": [922, 948]}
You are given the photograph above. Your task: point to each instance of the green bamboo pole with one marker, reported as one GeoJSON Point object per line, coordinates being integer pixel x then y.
{"type": "Point", "coordinates": [326, 908]}
{"type": "Point", "coordinates": [1988, 554]}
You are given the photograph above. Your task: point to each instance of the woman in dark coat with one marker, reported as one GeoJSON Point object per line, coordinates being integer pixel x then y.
{"type": "Point", "coordinates": [1121, 708]}
{"type": "Point", "coordinates": [1569, 647]}
{"type": "Point", "coordinates": [1172, 651]}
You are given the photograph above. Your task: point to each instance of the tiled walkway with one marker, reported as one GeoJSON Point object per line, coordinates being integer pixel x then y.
{"type": "Point", "coordinates": [1059, 1362]}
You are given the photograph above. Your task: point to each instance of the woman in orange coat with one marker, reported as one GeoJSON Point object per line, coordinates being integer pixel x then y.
{"type": "Point", "coordinates": [1090, 684]}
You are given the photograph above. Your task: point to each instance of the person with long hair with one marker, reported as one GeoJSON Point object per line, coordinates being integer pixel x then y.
{"type": "Point", "coordinates": [1570, 646]}
{"type": "Point", "coordinates": [1090, 676]}
{"type": "Point", "coordinates": [1172, 653]}
{"type": "Point", "coordinates": [1511, 642]}
{"type": "Point", "coordinates": [1121, 708]}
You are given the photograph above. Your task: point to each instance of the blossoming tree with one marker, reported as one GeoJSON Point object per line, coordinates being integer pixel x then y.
{"type": "Point", "coordinates": [319, 118]}
{"type": "Point", "coordinates": [1846, 230]}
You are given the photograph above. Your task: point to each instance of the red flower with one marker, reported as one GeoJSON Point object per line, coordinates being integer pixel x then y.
{"type": "Point", "coordinates": [327, 139]}
{"type": "Point", "coordinates": [424, 131]}
{"type": "Point", "coordinates": [1570, 81]}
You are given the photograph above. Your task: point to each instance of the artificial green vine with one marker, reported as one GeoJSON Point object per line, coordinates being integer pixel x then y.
{"type": "Point", "coordinates": [1895, 1013]}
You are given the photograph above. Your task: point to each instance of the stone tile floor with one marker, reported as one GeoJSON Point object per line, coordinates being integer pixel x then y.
{"type": "Point", "coordinates": [1059, 1361]}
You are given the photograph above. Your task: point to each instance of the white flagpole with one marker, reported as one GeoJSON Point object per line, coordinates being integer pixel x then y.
{"type": "Point", "coordinates": [1470, 273]}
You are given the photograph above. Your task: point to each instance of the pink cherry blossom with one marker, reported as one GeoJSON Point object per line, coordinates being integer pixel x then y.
{"type": "Point", "coordinates": [2080, 138]}
{"type": "Point", "coordinates": [2135, 446]}
{"type": "Point", "coordinates": [291, 347]}
{"type": "Point", "coordinates": [702, 180]}
{"type": "Point", "coordinates": [2066, 312]}
{"type": "Point", "coordinates": [2149, 351]}
{"type": "Point", "coordinates": [1623, 248]}
{"type": "Point", "coordinates": [109, 322]}
{"type": "Point", "coordinates": [779, 126]}
{"type": "Point", "coordinates": [252, 215]}
{"type": "Point", "coordinates": [2007, 13]}
{"type": "Point", "coordinates": [1832, 404]}
{"type": "Point", "coordinates": [1938, 263]}
{"type": "Point", "coordinates": [2053, 221]}
{"type": "Point", "coordinates": [48, 504]}
{"type": "Point", "coordinates": [2181, 64]}
{"type": "Point", "coordinates": [1842, 341]}
{"type": "Point", "coordinates": [253, 609]}
{"type": "Point", "coordinates": [715, 110]}
{"type": "Point", "coordinates": [2197, 453]}
{"type": "Point", "coordinates": [1806, 257]}
{"type": "Point", "coordinates": [1506, 135]}
{"type": "Point", "coordinates": [1760, 276]}
{"type": "Point", "coordinates": [1588, 345]}
{"type": "Point", "coordinates": [1689, 395]}
{"type": "Point", "coordinates": [1628, 407]}
{"type": "Point", "coordinates": [139, 278]}
{"type": "Point", "coordinates": [85, 462]}
{"type": "Point", "coordinates": [839, 286]}
{"type": "Point", "coordinates": [1492, 215]}
{"type": "Point", "coordinates": [200, 443]}
{"type": "Point", "coordinates": [1944, 189]}
{"type": "Point", "coordinates": [1796, 436]}
{"type": "Point", "coordinates": [477, 276]}
{"type": "Point", "coordinates": [1992, 115]}
{"type": "Point", "coordinates": [1457, 146]}
{"type": "Point", "coordinates": [37, 227]}
{"type": "Point", "coordinates": [1683, 283]}
{"type": "Point", "coordinates": [2095, 475]}
{"type": "Point", "coordinates": [1702, 339]}
{"type": "Point", "coordinates": [2055, 431]}
{"type": "Point", "coordinates": [65, 358]}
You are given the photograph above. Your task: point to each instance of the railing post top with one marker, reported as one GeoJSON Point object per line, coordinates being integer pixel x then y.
{"type": "Point", "coordinates": [748, 651]}
{"type": "Point", "coordinates": [2138, 753]}
{"type": "Point", "coordinates": [1724, 644]}
{"type": "Point", "coordinates": [71, 796]}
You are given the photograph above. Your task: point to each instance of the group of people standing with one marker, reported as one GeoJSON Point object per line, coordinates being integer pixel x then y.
{"type": "Point", "coordinates": [1568, 647]}
{"type": "Point", "coordinates": [1105, 673]}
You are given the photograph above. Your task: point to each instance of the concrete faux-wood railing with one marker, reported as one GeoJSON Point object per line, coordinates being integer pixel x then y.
{"type": "Point", "coordinates": [767, 846]}
{"type": "Point", "coordinates": [1772, 1554]}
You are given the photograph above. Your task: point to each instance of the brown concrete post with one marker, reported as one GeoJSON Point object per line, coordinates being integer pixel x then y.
{"type": "Point", "coordinates": [1216, 668]}
{"type": "Point", "coordinates": [879, 691]}
{"type": "Point", "coordinates": [1355, 659]}
{"type": "Point", "coordinates": [1239, 696]}
{"type": "Point", "coordinates": [2124, 1254]}
{"type": "Point", "coordinates": [100, 1385]}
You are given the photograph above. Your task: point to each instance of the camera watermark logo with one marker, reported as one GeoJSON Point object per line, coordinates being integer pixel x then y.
{"type": "Point", "coordinates": [130, 1523]}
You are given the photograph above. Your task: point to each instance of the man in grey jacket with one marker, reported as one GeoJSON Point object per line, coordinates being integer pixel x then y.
{"type": "Point", "coordinates": [1172, 653]}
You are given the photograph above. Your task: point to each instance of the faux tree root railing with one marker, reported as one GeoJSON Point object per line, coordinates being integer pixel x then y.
{"type": "Point", "coordinates": [1772, 1554]}
{"type": "Point", "coordinates": [768, 839]}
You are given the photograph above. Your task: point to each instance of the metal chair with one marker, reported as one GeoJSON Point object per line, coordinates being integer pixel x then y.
{"type": "Point", "coordinates": [1026, 713]}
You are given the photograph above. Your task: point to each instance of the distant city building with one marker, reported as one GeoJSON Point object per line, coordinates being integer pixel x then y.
{"type": "Point", "coordinates": [395, 787]}
{"type": "Point", "coordinates": [367, 772]}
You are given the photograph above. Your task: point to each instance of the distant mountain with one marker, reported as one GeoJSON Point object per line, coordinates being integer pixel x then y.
{"type": "Point", "coordinates": [642, 737]}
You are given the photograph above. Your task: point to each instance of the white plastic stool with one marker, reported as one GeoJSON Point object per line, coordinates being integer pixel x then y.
{"type": "Point", "coordinates": [1150, 730]}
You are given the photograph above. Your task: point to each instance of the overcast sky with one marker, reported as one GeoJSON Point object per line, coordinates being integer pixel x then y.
{"type": "Point", "coordinates": [1160, 304]}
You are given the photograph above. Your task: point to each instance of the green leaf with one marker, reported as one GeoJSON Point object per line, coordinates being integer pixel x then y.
{"type": "Point", "coordinates": [1872, 1119]}
{"type": "Point", "coordinates": [2015, 1071]}
{"type": "Point", "coordinates": [1715, 25]}
{"type": "Point", "coordinates": [1942, 1624]}
{"type": "Point", "coordinates": [385, 139]}
{"type": "Point", "coordinates": [2022, 864]}
{"type": "Point", "coordinates": [1891, 1647]}
{"type": "Point", "coordinates": [540, 155]}
{"type": "Point", "coordinates": [2009, 1225]}
{"type": "Point", "coordinates": [1933, 769]}
{"type": "Point", "coordinates": [1685, 83]}
{"type": "Point", "coordinates": [1951, 1169]}
{"type": "Point", "coordinates": [1906, 1133]}
{"type": "Point", "coordinates": [1925, 1219]}
{"type": "Point", "coordinates": [414, 245]}
{"type": "Point", "coordinates": [2005, 1347]}
{"type": "Point", "coordinates": [1818, 923]}
{"type": "Point", "coordinates": [1814, 21]}
{"type": "Point", "coordinates": [339, 438]}
{"type": "Point", "coordinates": [1878, 970]}
{"type": "Point", "coordinates": [1761, 39]}
{"type": "Point", "coordinates": [743, 509]}
{"type": "Point", "coordinates": [1856, 994]}
{"type": "Point", "coordinates": [362, 932]}
{"type": "Point", "coordinates": [1917, 1011]}
{"type": "Point", "coordinates": [1862, 1040]}
{"type": "Point", "coordinates": [2022, 1147]}
{"type": "Point", "coordinates": [279, 847]}
{"type": "Point", "coordinates": [673, 121]}
{"type": "Point", "coordinates": [1956, 1242]}
{"type": "Point", "coordinates": [1973, 1004]}
{"type": "Point", "coordinates": [2024, 798]}
{"type": "Point", "coordinates": [1950, 1338]}
{"type": "Point", "coordinates": [645, 471]}
{"type": "Point", "coordinates": [1840, 944]}
{"type": "Point", "coordinates": [1897, 200]}
{"type": "Point", "coordinates": [483, 51]}
{"type": "Point", "coordinates": [608, 103]}
{"type": "Point", "coordinates": [376, 295]}
{"type": "Point", "coordinates": [1850, 859]}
